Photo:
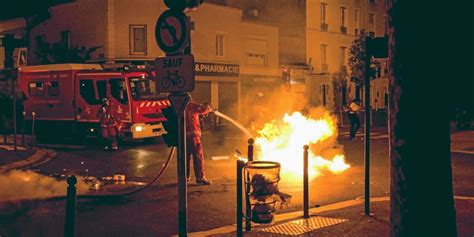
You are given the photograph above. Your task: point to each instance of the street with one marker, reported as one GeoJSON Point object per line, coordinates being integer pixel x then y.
{"type": "Point", "coordinates": [154, 210]}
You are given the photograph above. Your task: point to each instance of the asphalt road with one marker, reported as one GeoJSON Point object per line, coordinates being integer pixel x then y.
{"type": "Point", "coordinates": [153, 212]}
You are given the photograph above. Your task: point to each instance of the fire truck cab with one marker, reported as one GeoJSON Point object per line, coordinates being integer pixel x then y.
{"type": "Point", "coordinates": [66, 97]}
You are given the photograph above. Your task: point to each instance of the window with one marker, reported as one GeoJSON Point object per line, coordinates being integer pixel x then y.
{"type": "Point", "coordinates": [323, 13]}
{"type": "Point", "coordinates": [324, 48]}
{"type": "Point", "coordinates": [342, 57]}
{"type": "Point", "coordinates": [138, 44]}
{"type": "Point", "coordinates": [221, 45]}
{"type": "Point", "coordinates": [343, 16]}
{"type": "Point", "coordinates": [371, 18]}
{"type": "Point", "coordinates": [118, 90]}
{"type": "Point", "coordinates": [324, 93]}
{"type": "Point", "coordinates": [256, 52]}
{"type": "Point", "coordinates": [358, 92]}
{"type": "Point", "coordinates": [101, 89]}
{"type": "Point", "coordinates": [143, 88]}
{"type": "Point", "coordinates": [371, 22]}
{"type": "Point", "coordinates": [66, 39]}
{"type": "Point", "coordinates": [54, 88]}
{"type": "Point", "coordinates": [87, 92]}
{"type": "Point", "coordinates": [356, 21]}
{"type": "Point", "coordinates": [36, 88]}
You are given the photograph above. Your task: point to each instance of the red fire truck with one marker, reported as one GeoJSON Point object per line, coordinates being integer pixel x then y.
{"type": "Point", "coordinates": [66, 97]}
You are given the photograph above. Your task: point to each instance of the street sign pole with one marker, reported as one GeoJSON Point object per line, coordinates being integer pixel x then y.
{"type": "Point", "coordinates": [182, 176]}
{"type": "Point", "coordinates": [175, 75]}
{"type": "Point", "coordinates": [367, 127]}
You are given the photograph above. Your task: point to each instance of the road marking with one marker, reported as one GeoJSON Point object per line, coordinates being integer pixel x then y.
{"type": "Point", "coordinates": [374, 135]}
{"type": "Point", "coordinates": [220, 157]}
{"type": "Point", "coordinates": [11, 148]}
{"type": "Point", "coordinates": [383, 136]}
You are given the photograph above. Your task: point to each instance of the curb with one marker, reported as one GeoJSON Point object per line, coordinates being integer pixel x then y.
{"type": "Point", "coordinates": [279, 218]}
{"type": "Point", "coordinates": [292, 215]}
{"type": "Point", "coordinates": [41, 156]}
{"type": "Point", "coordinates": [463, 152]}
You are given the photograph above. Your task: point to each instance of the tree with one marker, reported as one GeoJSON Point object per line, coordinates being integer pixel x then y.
{"type": "Point", "coordinates": [357, 59]}
{"type": "Point", "coordinates": [421, 192]}
{"type": "Point", "coordinates": [59, 53]}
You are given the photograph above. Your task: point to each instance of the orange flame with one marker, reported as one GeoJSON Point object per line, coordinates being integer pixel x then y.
{"type": "Point", "coordinates": [283, 141]}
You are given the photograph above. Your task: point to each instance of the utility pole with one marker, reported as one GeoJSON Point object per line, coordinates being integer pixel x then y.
{"type": "Point", "coordinates": [178, 50]}
{"type": "Point", "coordinates": [367, 126]}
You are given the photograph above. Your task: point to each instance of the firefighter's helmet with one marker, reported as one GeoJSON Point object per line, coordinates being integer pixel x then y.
{"type": "Point", "coordinates": [104, 101]}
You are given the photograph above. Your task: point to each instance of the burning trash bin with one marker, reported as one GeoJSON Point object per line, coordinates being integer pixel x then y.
{"type": "Point", "coordinates": [262, 192]}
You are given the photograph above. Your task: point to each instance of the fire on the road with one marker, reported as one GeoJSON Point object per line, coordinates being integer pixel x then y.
{"type": "Point", "coordinates": [283, 140]}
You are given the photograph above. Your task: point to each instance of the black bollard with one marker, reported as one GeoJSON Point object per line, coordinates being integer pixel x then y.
{"type": "Point", "coordinates": [250, 149]}
{"type": "Point", "coordinates": [4, 120]}
{"type": "Point", "coordinates": [70, 207]}
{"type": "Point", "coordinates": [240, 213]}
{"type": "Point", "coordinates": [305, 183]}
{"type": "Point", "coordinates": [248, 209]}
{"type": "Point", "coordinates": [33, 115]}
{"type": "Point", "coordinates": [24, 130]}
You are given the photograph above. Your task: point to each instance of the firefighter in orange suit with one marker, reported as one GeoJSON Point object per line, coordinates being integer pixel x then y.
{"type": "Point", "coordinates": [109, 125]}
{"type": "Point", "coordinates": [193, 141]}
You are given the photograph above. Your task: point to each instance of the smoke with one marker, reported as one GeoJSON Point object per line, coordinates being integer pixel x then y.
{"type": "Point", "coordinates": [262, 106]}
{"type": "Point", "coordinates": [17, 185]}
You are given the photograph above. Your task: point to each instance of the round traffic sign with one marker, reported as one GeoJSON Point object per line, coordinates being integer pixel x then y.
{"type": "Point", "coordinates": [172, 31]}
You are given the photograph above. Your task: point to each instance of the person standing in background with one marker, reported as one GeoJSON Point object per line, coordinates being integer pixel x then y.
{"type": "Point", "coordinates": [109, 125]}
{"type": "Point", "coordinates": [354, 108]}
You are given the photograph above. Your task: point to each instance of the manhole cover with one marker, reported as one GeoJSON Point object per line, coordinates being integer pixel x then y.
{"type": "Point", "coordinates": [302, 226]}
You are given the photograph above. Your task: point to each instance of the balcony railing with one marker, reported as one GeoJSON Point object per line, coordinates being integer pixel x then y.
{"type": "Point", "coordinates": [343, 29]}
{"type": "Point", "coordinates": [324, 26]}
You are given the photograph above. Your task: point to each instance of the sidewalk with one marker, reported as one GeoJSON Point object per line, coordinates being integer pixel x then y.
{"type": "Point", "coordinates": [23, 157]}
{"type": "Point", "coordinates": [343, 219]}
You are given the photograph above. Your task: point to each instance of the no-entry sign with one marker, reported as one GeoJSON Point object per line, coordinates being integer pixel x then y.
{"type": "Point", "coordinates": [175, 73]}
{"type": "Point", "coordinates": [172, 31]}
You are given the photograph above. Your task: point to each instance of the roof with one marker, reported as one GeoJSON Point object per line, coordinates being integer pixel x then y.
{"type": "Point", "coordinates": [60, 67]}
{"type": "Point", "coordinates": [11, 9]}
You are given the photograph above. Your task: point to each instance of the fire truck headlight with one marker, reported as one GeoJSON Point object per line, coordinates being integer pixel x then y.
{"type": "Point", "coordinates": [138, 128]}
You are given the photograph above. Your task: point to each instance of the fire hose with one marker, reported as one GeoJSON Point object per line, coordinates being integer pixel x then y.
{"type": "Point", "coordinates": [117, 195]}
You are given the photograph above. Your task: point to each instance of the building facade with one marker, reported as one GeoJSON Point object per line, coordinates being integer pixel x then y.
{"type": "Point", "coordinates": [234, 57]}
{"type": "Point", "coordinates": [315, 40]}
{"type": "Point", "coordinates": [332, 26]}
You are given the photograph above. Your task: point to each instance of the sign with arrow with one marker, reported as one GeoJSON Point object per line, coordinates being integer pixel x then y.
{"type": "Point", "coordinates": [172, 32]}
